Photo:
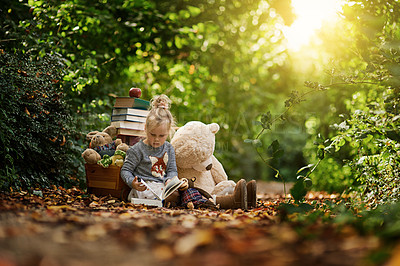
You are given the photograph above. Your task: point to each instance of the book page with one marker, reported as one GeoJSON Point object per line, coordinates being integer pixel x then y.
{"type": "Point", "coordinates": [171, 187]}
{"type": "Point", "coordinates": [152, 191]}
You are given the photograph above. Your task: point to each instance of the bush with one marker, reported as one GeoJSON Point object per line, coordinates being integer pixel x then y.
{"type": "Point", "coordinates": [34, 122]}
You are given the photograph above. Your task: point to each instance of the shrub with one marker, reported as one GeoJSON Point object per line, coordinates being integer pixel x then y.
{"type": "Point", "coordinates": [34, 122]}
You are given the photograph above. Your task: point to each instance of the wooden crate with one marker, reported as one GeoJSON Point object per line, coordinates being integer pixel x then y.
{"type": "Point", "coordinates": [106, 181]}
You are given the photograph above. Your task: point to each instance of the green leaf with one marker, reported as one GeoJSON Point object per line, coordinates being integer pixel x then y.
{"type": "Point", "coordinates": [320, 139]}
{"type": "Point", "coordinates": [294, 208]}
{"type": "Point", "coordinates": [184, 14]}
{"type": "Point", "coordinates": [393, 134]}
{"type": "Point", "coordinates": [298, 191]}
{"type": "Point", "coordinates": [304, 168]}
{"type": "Point", "coordinates": [321, 153]}
{"type": "Point", "coordinates": [279, 153]}
{"type": "Point", "coordinates": [277, 174]}
{"type": "Point", "coordinates": [308, 183]}
{"type": "Point", "coordinates": [178, 42]}
{"type": "Point", "coordinates": [274, 150]}
{"type": "Point", "coordinates": [266, 120]}
{"type": "Point", "coordinates": [275, 145]}
{"type": "Point", "coordinates": [257, 143]}
{"type": "Point", "coordinates": [194, 11]}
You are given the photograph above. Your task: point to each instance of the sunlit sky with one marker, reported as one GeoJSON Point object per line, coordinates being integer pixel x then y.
{"type": "Point", "coordinates": [310, 16]}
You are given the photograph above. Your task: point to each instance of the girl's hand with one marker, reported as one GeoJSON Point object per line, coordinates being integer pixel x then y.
{"type": "Point", "coordinates": [139, 186]}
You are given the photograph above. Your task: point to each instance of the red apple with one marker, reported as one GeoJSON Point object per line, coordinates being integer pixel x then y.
{"type": "Point", "coordinates": [135, 92]}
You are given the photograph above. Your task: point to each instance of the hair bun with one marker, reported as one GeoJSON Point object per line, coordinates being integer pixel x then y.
{"type": "Point", "coordinates": [161, 101]}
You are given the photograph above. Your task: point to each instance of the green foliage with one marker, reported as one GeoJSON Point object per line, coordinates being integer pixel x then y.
{"type": "Point", "coordinates": [287, 209]}
{"type": "Point", "coordinates": [363, 146]}
{"type": "Point", "coordinates": [274, 151]}
{"type": "Point", "coordinates": [218, 63]}
{"type": "Point", "coordinates": [192, 51]}
{"type": "Point", "coordinates": [34, 122]}
{"type": "Point", "coordinates": [332, 176]}
{"type": "Point", "coordinates": [375, 164]}
{"type": "Point", "coordinates": [382, 222]}
{"type": "Point", "coordinates": [374, 128]}
{"type": "Point", "coordinates": [211, 77]}
{"type": "Point", "coordinates": [99, 42]}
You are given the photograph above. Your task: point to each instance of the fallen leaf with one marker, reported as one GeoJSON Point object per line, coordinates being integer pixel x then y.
{"type": "Point", "coordinates": [163, 252]}
{"type": "Point", "coordinates": [190, 242]}
{"type": "Point", "coordinates": [93, 232]}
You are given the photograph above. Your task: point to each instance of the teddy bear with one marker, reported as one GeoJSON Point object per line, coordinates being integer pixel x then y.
{"type": "Point", "coordinates": [190, 197]}
{"type": "Point", "coordinates": [194, 145]}
{"type": "Point", "coordinates": [194, 197]}
{"type": "Point", "coordinates": [101, 144]}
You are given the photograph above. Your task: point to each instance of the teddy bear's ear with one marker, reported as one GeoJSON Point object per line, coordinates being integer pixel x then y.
{"type": "Point", "coordinates": [90, 135]}
{"type": "Point", "coordinates": [214, 127]}
{"type": "Point", "coordinates": [191, 181]}
{"type": "Point", "coordinates": [111, 130]}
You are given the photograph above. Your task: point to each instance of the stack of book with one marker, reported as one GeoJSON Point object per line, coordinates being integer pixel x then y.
{"type": "Point", "coordinates": [129, 117]}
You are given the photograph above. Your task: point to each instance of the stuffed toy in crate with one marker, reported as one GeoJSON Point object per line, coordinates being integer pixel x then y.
{"type": "Point", "coordinates": [103, 146]}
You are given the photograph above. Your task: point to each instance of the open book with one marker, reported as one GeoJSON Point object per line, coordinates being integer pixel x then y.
{"type": "Point", "coordinates": [170, 188]}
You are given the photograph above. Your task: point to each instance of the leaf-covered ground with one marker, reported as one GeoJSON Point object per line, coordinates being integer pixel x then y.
{"type": "Point", "coordinates": [69, 227]}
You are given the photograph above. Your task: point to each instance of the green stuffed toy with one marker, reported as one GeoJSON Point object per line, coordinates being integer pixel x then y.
{"type": "Point", "coordinates": [117, 159]}
{"type": "Point", "coordinates": [106, 161]}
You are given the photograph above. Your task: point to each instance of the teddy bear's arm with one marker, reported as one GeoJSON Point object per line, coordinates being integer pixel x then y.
{"type": "Point", "coordinates": [204, 193]}
{"type": "Point", "coordinates": [217, 171]}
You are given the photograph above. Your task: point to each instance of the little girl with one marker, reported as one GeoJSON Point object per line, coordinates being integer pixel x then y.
{"type": "Point", "coordinates": [151, 159]}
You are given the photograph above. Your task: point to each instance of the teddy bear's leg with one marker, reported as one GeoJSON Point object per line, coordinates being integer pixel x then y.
{"type": "Point", "coordinates": [91, 156]}
{"type": "Point", "coordinates": [251, 194]}
{"type": "Point", "coordinates": [236, 200]}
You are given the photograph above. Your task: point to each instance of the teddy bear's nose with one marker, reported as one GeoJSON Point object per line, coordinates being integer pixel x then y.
{"type": "Point", "coordinates": [208, 168]}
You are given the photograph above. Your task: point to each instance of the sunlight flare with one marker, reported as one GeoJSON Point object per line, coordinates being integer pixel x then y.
{"type": "Point", "coordinates": [310, 16]}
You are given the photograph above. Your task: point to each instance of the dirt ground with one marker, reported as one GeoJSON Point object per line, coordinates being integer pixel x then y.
{"type": "Point", "coordinates": [69, 227]}
{"type": "Point", "coordinates": [272, 189]}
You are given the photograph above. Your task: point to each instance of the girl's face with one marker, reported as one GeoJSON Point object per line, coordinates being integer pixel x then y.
{"type": "Point", "coordinates": [157, 135]}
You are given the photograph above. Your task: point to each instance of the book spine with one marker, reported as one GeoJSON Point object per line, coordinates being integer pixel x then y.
{"type": "Point", "coordinates": [131, 132]}
{"type": "Point", "coordinates": [131, 102]}
{"type": "Point", "coordinates": [128, 125]}
{"type": "Point", "coordinates": [130, 118]}
{"type": "Point", "coordinates": [129, 111]}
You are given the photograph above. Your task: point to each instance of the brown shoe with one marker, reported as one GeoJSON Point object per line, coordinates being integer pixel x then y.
{"type": "Point", "coordinates": [236, 200]}
{"type": "Point", "coordinates": [251, 194]}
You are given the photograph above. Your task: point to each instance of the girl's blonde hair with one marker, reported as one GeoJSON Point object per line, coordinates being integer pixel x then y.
{"type": "Point", "coordinates": [159, 113]}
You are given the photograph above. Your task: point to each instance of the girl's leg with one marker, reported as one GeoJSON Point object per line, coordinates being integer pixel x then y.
{"type": "Point", "coordinates": [132, 194]}
{"type": "Point", "coordinates": [148, 194]}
